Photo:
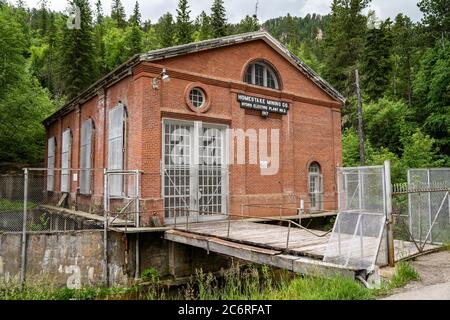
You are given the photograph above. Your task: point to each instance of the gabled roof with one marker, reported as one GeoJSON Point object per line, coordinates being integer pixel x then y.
{"type": "Point", "coordinates": [242, 38]}
{"type": "Point", "coordinates": [125, 69]}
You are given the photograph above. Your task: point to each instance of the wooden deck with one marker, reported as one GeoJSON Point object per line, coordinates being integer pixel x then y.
{"type": "Point", "coordinates": [273, 237]}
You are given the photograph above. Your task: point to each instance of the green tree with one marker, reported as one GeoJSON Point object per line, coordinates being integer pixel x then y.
{"type": "Point", "coordinates": [184, 27]}
{"type": "Point", "coordinates": [203, 27]}
{"type": "Point", "coordinates": [23, 102]}
{"type": "Point", "coordinates": [403, 57]}
{"type": "Point", "coordinates": [436, 17]}
{"type": "Point", "coordinates": [419, 151]}
{"type": "Point", "coordinates": [165, 31]}
{"type": "Point", "coordinates": [376, 65]}
{"type": "Point", "coordinates": [78, 68]}
{"type": "Point", "coordinates": [99, 12]}
{"type": "Point", "coordinates": [431, 88]}
{"type": "Point", "coordinates": [115, 41]}
{"type": "Point", "coordinates": [248, 24]}
{"type": "Point", "coordinates": [344, 42]}
{"type": "Point", "coordinates": [118, 14]}
{"type": "Point", "coordinates": [136, 16]}
{"type": "Point", "coordinates": [99, 33]}
{"type": "Point", "coordinates": [218, 19]}
{"type": "Point", "coordinates": [386, 122]}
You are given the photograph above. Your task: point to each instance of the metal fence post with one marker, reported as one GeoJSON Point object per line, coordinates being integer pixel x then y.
{"type": "Point", "coordinates": [389, 219]}
{"type": "Point", "coordinates": [24, 228]}
{"type": "Point", "coordinates": [105, 227]}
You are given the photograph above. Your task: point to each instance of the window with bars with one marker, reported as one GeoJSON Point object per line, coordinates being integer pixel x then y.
{"type": "Point", "coordinates": [86, 157]}
{"type": "Point", "coordinates": [116, 148]}
{"type": "Point", "coordinates": [261, 74]}
{"type": "Point", "coordinates": [51, 148]}
{"type": "Point", "coordinates": [66, 153]}
{"type": "Point", "coordinates": [315, 187]}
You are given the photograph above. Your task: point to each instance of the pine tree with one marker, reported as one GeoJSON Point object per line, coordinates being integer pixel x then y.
{"type": "Point", "coordinates": [118, 14]}
{"type": "Point", "coordinates": [43, 17]}
{"type": "Point", "coordinates": [99, 12]}
{"type": "Point", "coordinates": [376, 65]}
{"type": "Point", "coordinates": [436, 17]}
{"type": "Point", "coordinates": [203, 26]}
{"type": "Point", "coordinates": [404, 40]}
{"type": "Point", "coordinates": [344, 43]}
{"type": "Point", "coordinates": [136, 16]}
{"type": "Point", "coordinates": [77, 53]}
{"type": "Point", "coordinates": [183, 29]}
{"type": "Point", "coordinates": [99, 33]}
{"type": "Point", "coordinates": [248, 24]}
{"type": "Point", "coordinates": [165, 31]}
{"type": "Point", "coordinates": [218, 19]}
{"type": "Point", "coordinates": [135, 32]}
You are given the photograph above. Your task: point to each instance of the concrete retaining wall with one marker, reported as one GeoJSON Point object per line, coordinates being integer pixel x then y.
{"type": "Point", "coordinates": [75, 258]}
{"type": "Point", "coordinates": [65, 258]}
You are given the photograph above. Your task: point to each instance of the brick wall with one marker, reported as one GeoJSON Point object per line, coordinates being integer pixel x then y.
{"type": "Point", "coordinates": [310, 132]}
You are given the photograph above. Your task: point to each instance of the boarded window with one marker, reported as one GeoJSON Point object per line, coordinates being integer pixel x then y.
{"type": "Point", "coordinates": [86, 157]}
{"type": "Point", "coordinates": [65, 160]}
{"type": "Point", "coordinates": [51, 164]}
{"type": "Point", "coordinates": [116, 149]}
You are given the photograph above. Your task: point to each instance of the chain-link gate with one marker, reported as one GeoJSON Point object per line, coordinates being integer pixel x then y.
{"type": "Point", "coordinates": [359, 237]}
{"type": "Point", "coordinates": [422, 207]}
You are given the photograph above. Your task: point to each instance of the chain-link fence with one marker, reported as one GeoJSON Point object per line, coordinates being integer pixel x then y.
{"type": "Point", "coordinates": [422, 207]}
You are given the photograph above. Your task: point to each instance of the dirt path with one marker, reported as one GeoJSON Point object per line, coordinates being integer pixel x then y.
{"type": "Point", "coordinates": [434, 283]}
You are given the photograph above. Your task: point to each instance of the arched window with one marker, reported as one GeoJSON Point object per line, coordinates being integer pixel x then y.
{"type": "Point", "coordinates": [315, 187]}
{"type": "Point", "coordinates": [261, 74]}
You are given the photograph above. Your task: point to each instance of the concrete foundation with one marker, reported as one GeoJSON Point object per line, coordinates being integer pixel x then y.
{"type": "Point", "coordinates": [75, 259]}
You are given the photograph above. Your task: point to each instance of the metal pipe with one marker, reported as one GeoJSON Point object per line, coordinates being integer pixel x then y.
{"type": "Point", "coordinates": [138, 221]}
{"type": "Point", "coordinates": [229, 223]}
{"type": "Point", "coordinates": [24, 228]}
{"type": "Point", "coordinates": [389, 218]}
{"type": "Point", "coordinates": [105, 228]}
{"type": "Point", "coordinates": [288, 236]}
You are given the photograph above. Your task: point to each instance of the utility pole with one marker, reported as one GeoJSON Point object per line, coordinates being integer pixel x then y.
{"type": "Point", "coordinates": [362, 152]}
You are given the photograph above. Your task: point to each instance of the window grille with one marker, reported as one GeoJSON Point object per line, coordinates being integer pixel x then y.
{"type": "Point", "coordinates": [116, 149]}
{"type": "Point", "coordinates": [65, 160]}
{"type": "Point", "coordinates": [315, 187]}
{"type": "Point", "coordinates": [86, 157]}
{"type": "Point", "coordinates": [51, 164]}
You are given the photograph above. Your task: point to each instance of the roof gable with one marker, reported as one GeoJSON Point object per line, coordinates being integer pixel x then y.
{"type": "Point", "coordinates": [180, 50]}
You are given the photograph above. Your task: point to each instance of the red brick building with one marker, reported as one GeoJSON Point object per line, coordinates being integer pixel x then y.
{"type": "Point", "coordinates": [167, 112]}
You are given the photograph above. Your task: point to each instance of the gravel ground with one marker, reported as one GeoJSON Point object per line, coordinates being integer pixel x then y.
{"type": "Point", "coordinates": [434, 283]}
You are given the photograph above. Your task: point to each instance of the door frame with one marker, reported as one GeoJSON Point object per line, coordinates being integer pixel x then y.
{"type": "Point", "coordinates": [194, 197]}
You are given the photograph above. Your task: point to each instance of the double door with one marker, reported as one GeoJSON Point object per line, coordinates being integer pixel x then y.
{"type": "Point", "coordinates": [195, 171]}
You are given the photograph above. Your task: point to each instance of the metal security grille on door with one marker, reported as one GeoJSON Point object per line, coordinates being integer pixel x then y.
{"type": "Point", "coordinates": [194, 171]}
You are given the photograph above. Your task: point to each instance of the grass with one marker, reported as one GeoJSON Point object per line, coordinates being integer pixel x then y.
{"type": "Point", "coordinates": [263, 284]}
{"type": "Point", "coordinates": [247, 283]}
{"type": "Point", "coordinates": [404, 273]}
{"type": "Point", "coordinates": [43, 290]}
{"type": "Point", "coordinates": [14, 205]}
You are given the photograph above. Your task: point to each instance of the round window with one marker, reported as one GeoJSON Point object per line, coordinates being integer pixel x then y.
{"type": "Point", "coordinates": [197, 97]}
